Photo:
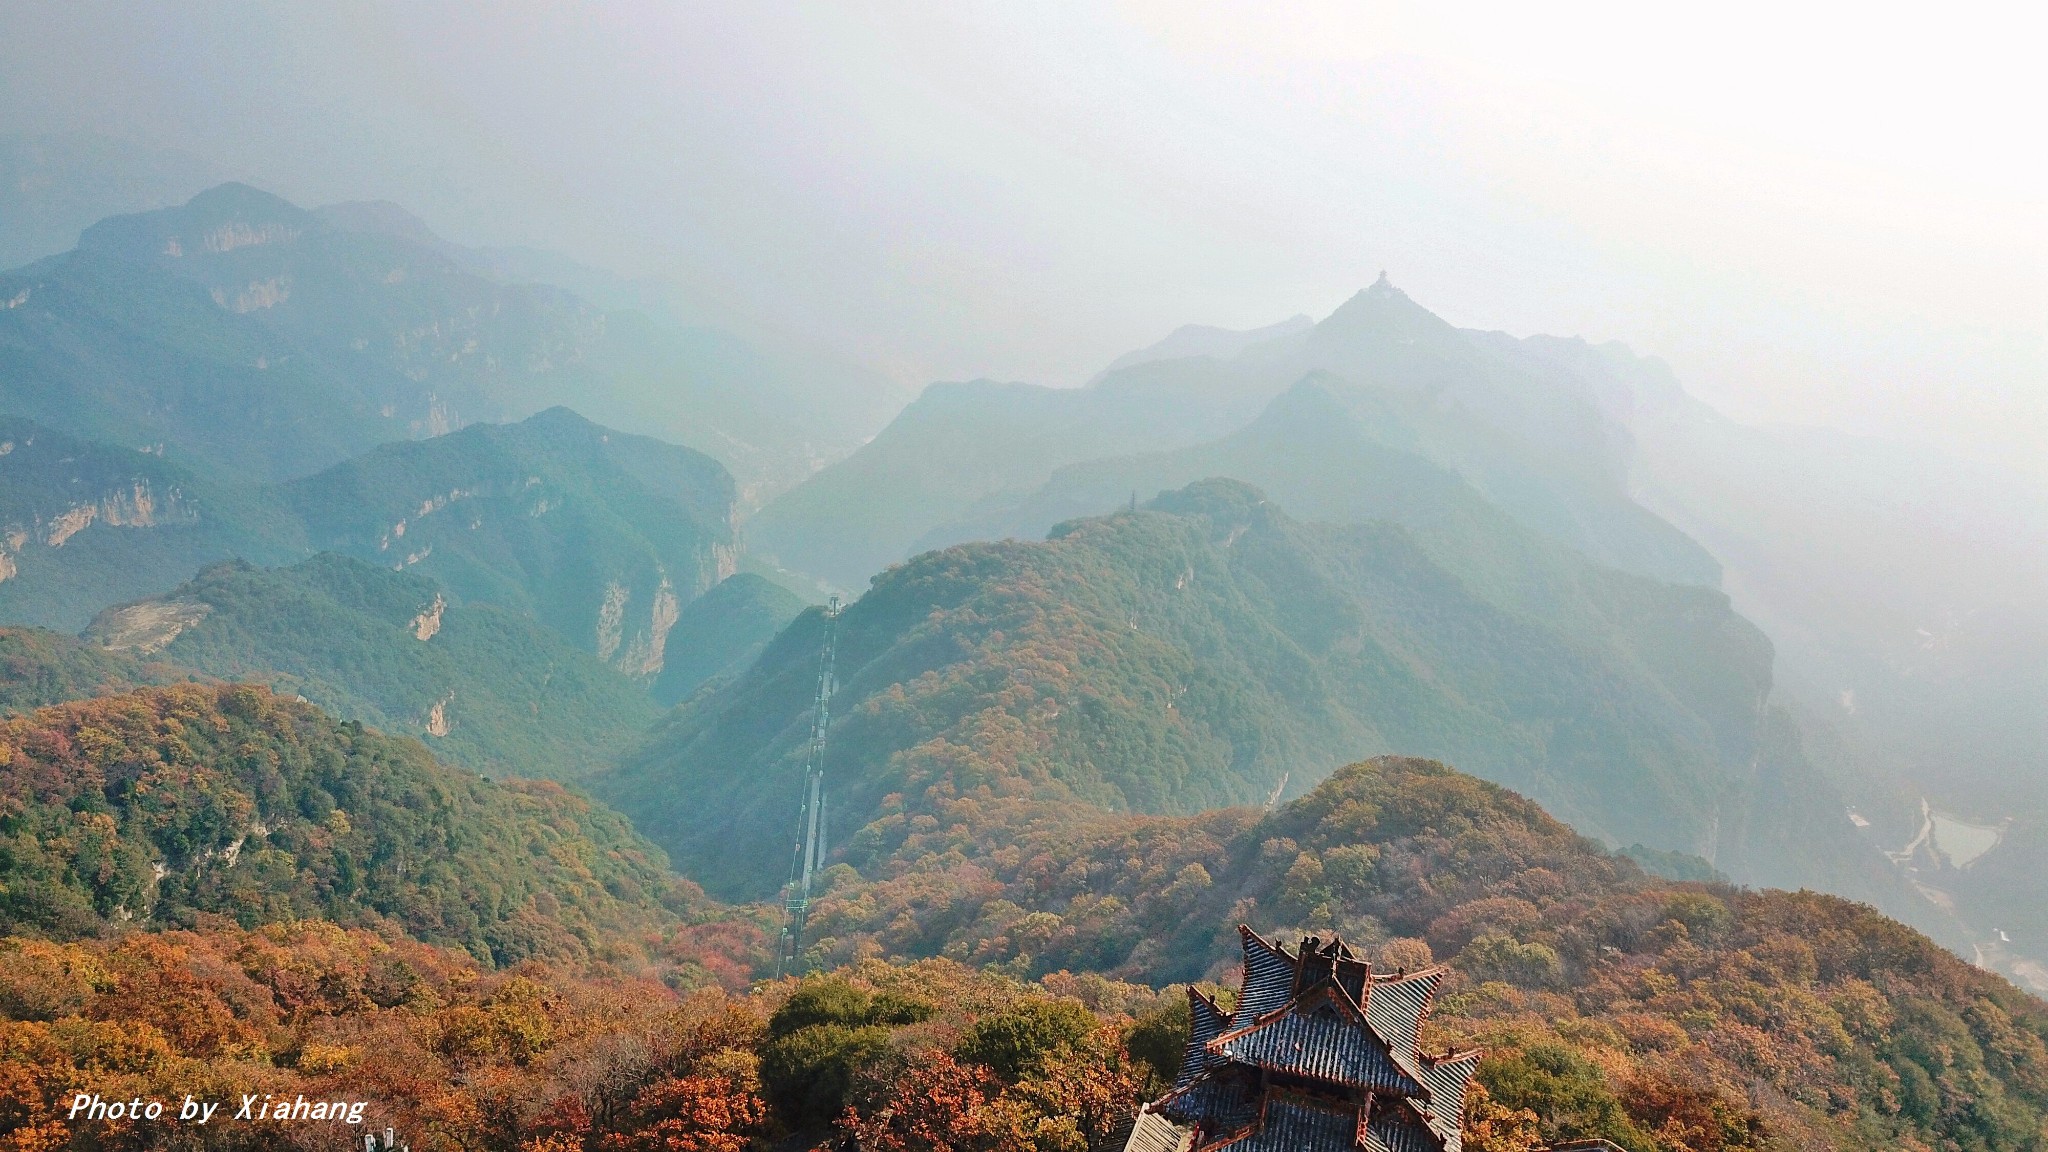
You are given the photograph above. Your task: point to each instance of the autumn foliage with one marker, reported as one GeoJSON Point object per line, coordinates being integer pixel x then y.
{"type": "Point", "coordinates": [161, 806]}
{"type": "Point", "coordinates": [537, 1058]}
{"type": "Point", "coordinates": [217, 891]}
{"type": "Point", "coordinates": [1658, 1015]}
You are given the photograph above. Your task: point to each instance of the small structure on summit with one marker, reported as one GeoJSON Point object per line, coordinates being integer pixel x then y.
{"type": "Point", "coordinates": [1321, 1054]}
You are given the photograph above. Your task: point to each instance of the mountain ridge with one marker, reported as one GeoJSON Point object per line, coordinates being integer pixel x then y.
{"type": "Point", "coordinates": [1208, 650]}
{"type": "Point", "coordinates": [603, 536]}
{"type": "Point", "coordinates": [1532, 439]}
{"type": "Point", "coordinates": [255, 338]}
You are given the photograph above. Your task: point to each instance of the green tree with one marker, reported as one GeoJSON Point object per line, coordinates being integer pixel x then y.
{"type": "Point", "coordinates": [1021, 1039]}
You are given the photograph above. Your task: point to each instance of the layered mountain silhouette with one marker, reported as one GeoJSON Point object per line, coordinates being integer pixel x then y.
{"type": "Point", "coordinates": [55, 185]}
{"type": "Point", "coordinates": [1208, 650]}
{"type": "Point", "coordinates": [279, 437]}
{"type": "Point", "coordinates": [601, 536]}
{"type": "Point", "coordinates": [1532, 439]}
{"type": "Point", "coordinates": [1909, 642]}
{"type": "Point", "coordinates": [85, 524]}
{"type": "Point", "coordinates": [245, 336]}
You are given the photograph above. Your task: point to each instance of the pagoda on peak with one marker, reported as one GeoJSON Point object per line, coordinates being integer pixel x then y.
{"type": "Point", "coordinates": [1321, 1054]}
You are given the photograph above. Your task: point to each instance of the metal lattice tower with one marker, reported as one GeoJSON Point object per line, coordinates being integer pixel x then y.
{"type": "Point", "coordinates": [810, 836]}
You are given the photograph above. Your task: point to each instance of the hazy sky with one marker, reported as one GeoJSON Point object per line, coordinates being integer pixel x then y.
{"type": "Point", "coordinates": [1822, 212]}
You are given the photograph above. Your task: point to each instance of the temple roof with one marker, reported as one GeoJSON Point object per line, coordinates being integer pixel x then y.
{"type": "Point", "coordinates": [1396, 1130]}
{"type": "Point", "coordinates": [1343, 1043]}
{"type": "Point", "coordinates": [1218, 1103]}
{"type": "Point", "coordinates": [1152, 1132]}
{"type": "Point", "coordinates": [1268, 977]}
{"type": "Point", "coordinates": [1298, 1124]}
{"type": "Point", "coordinates": [1397, 1007]}
{"type": "Point", "coordinates": [1206, 1022]}
{"type": "Point", "coordinates": [1322, 1036]}
{"type": "Point", "coordinates": [1444, 1108]}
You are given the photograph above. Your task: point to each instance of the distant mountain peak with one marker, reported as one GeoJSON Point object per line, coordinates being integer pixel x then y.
{"type": "Point", "coordinates": [1230, 506]}
{"type": "Point", "coordinates": [1383, 311]}
{"type": "Point", "coordinates": [1311, 401]}
{"type": "Point", "coordinates": [220, 219]}
{"type": "Point", "coordinates": [236, 198]}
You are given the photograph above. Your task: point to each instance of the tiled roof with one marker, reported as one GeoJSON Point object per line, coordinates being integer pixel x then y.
{"type": "Point", "coordinates": [1321, 1015]}
{"type": "Point", "coordinates": [1155, 1133]}
{"type": "Point", "coordinates": [1444, 1110]}
{"type": "Point", "coordinates": [1396, 1129]}
{"type": "Point", "coordinates": [1208, 1022]}
{"type": "Point", "coordinates": [1319, 1037]}
{"type": "Point", "coordinates": [1293, 1124]}
{"type": "Point", "coordinates": [1317, 959]}
{"type": "Point", "coordinates": [1268, 978]}
{"type": "Point", "coordinates": [1223, 1101]}
{"type": "Point", "coordinates": [1397, 1007]}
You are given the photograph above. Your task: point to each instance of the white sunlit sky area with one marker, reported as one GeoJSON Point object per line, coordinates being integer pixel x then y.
{"type": "Point", "coordinates": [1827, 213]}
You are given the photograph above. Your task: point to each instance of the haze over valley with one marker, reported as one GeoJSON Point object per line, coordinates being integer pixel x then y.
{"type": "Point", "coordinates": [1109, 495]}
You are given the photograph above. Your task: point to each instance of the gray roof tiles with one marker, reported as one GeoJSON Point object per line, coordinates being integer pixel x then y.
{"type": "Point", "coordinates": [1268, 978]}
{"type": "Point", "coordinates": [1319, 1017]}
{"type": "Point", "coordinates": [1396, 1130]}
{"type": "Point", "coordinates": [1322, 1040]}
{"type": "Point", "coordinates": [1396, 1007]}
{"type": "Point", "coordinates": [1293, 1124]}
{"type": "Point", "coordinates": [1207, 1022]}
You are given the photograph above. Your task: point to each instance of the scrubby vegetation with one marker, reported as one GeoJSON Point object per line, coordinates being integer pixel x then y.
{"type": "Point", "coordinates": [482, 685]}
{"type": "Point", "coordinates": [39, 668]}
{"type": "Point", "coordinates": [165, 806]}
{"type": "Point", "coordinates": [549, 1058]}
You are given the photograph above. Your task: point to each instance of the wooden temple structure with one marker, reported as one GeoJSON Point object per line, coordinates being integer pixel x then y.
{"type": "Point", "coordinates": [1320, 1054]}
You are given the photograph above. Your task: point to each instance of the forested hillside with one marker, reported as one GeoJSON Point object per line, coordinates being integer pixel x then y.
{"type": "Point", "coordinates": [1657, 1015]}
{"type": "Point", "coordinates": [39, 668]}
{"type": "Point", "coordinates": [1663, 1017]}
{"type": "Point", "coordinates": [1208, 650]}
{"type": "Point", "coordinates": [482, 686]}
{"type": "Point", "coordinates": [722, 632]}
{"type": "Point", "coordinates": [600, 535]}
{"type": "Point", "coordinates": [175, 806]}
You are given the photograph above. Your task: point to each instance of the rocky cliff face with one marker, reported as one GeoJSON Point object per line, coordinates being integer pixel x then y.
{"type": "Point", "coordinates": [603, 536]}
{"type": "Point", "coordinates": [50, 494]}
{"type": "Point", "coordinates": [85, 524]}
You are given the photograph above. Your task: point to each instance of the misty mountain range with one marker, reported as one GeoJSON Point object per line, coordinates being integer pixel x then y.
{"type": "Point", "coordinates": [1271, 552]}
